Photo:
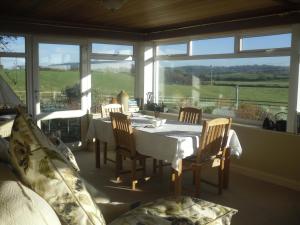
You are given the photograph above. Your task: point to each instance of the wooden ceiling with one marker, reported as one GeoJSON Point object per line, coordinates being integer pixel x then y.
{"type": "Point", "coordinates": [142, 16]}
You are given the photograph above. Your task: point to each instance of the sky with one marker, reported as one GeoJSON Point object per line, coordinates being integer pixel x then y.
{"type": "Point", "coordinates": [57, 54]}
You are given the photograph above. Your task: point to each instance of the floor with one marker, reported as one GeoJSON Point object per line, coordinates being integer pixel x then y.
{"type": "Point", "coordinates": [258, 202]}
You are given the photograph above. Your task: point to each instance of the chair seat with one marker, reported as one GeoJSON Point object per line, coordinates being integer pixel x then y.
{"type": "Point", "coordinates": [191, 161]}
{"type": "Point", "coordinates": [182, 210]}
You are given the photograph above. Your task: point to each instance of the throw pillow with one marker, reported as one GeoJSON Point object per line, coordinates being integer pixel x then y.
{"type": "Point", "coordinates": [65, 152]}
{"type": "Point", "coordinates": [21, 206]}
{"type": "Point", "coordinates": [182, 210]}
{"type": "Point", "coordinates": [50, 176]}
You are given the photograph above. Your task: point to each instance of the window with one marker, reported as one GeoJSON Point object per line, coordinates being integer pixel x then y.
{"type": "Point", "coordinates": [266, 42]}
{"type": "Point", "coordinates": [248, 88]}
{"type": "Point", "coordinates": [172, 49]}
{"type": "Point", "coordinates": [112, 49]}
{"type": "Point", "coordinates": [12, 44]}
{"type": "Point", "coordinates": [111, 75]}
{"type": "Point", "coordinates": [59, 77]}
{"type": "Point", "coordinates": [213, 46]}
{"type": "Point", "coordinates": [12, 68]}
{"type": "Point", "coordinates": [66, 129]}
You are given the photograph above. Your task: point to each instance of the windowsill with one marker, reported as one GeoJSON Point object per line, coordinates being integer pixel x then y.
{"type": "Point", "coordinates": [242, 122]}
{"type": "Point", "coordinates": [236, 122]}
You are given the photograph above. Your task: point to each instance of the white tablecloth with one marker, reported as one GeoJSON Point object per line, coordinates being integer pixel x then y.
{"type": "Point", "coordinates": [171, 142]}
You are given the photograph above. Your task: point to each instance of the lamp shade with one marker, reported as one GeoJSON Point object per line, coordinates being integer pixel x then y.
{"type": "Point", "coordinates": [7, 95]}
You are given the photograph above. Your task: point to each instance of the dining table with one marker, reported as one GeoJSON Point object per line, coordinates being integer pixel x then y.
{"type": "Point", "coordinates": [170, 142]}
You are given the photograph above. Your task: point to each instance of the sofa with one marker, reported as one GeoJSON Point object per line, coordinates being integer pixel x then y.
{"type": "Point", "coordinates": [39, 184]}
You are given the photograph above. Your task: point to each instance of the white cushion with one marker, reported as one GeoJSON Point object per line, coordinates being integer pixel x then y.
{"type": "Point", "coordinates": [21, 206]}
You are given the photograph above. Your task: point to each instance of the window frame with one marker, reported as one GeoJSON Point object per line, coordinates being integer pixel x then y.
{"type": "Point", "coordinates": [173, 43]}
{"type": "Point", "coordinates": [101, 56]}
{"type": "Point", "coordinates": [24, 55]}
{"type": "Point", "coordinates": [236, 54]}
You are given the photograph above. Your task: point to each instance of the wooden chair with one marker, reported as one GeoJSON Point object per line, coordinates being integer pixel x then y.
{"type": "Point", "coordinates": [125, 147]}
{"type": "Point", "coordinates": [212, 150]}
{"type": "Point", "coordinates": [190, 115]}
{"type": "Point", "coordinates": [186, 115]}
{"type": "Point", "coordinates": [105, 111]}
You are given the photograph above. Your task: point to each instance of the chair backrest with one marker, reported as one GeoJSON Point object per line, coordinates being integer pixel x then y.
{"type": "Point", "coordinates": [190, 115]}
{"type": "Point", "coordinates": [123, 132]}
{"type": "Point", "coordinates": [213, 138]}
{"type": "Point", "coordinates": [106, 109]}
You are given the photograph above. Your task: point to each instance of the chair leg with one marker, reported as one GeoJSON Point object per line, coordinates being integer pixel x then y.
{"type": "Point", "coordinates": [197, 173]}
{"type": "Point", "coordinates": [118, 165]}
{"type": "Point", "coordinates": [133, 174]}
{"type": "Point", "coordinates": [226, 170]}
{"type": "Point", "coordinates": [97, 153]}
{"type": "Point", "coordinates": [105, 152]}
{"type": "Point", "coordinates": [221, 173]}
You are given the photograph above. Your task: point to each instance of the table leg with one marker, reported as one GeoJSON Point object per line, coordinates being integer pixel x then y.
{"type": "Point", "coordinates": [105, 153]}
{"type": "Point", "coordinates": [178, 179]}
{"type": "Point", "coordinates": [226, 169]}
{"type": "Point", "coordinates": [97, 153]}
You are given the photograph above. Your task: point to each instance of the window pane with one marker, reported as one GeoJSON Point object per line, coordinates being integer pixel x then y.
{"type": "Point", "coordinates": [267, 42]}
{"type": "Point", "coordinates": [66, 129]}
{"type": "Point", "coordinates": [112, 49]}
{"type": "Point", "coordinates": [109, 77]}
{"type": "Point", "coordinates": [12, 44]}
{"type": "Point", "coordinates": [12, 70]}
{"type": "Point", "coordinates": [172, 49]}
{"type": "Point", "coordinates": [59, 77]}
{"type": "Point", "coordinates": [248, 88]}
{"type": "Point", "coordinates": [213, 46]}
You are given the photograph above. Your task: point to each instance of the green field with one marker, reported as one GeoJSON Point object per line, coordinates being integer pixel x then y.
{"type": "Point", "coordinates": [109, 83]}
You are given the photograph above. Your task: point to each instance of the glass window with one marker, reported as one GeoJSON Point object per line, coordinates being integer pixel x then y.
{"type": "Point", "coordinates": [172, 49]}
{"type": "Point", "coordinates": [267, 42]}
{"type": "Point", "coordinates": [112, 49]}
{"type": "Point", "coordinates": [59, 77]}
{"type": "Point", "coordinates": [248, 88]}
{"type": "Point", "coordinates": [66, 129]}
{"type": "Point", "coordinates": [109, 77]}
{"type": "Point", "coordinates": [12, 71]}
{"type": "Point", "coordinates": [213, 46]}
{"type": "Point", "coordinates": [12, 44]}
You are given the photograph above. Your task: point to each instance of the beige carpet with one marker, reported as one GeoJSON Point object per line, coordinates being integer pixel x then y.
{"type": "Point", "coordinates": [258, 202]}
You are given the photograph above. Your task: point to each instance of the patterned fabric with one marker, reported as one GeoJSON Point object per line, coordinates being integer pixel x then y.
{"type": "Point", "coordinates": [65, 152]}
{"type": "Point", "coordinates": [49, 175]}
{"type": "Point", "coordinates": [182, 211]}
{"type": "Point", "coordinates": [19, 205]}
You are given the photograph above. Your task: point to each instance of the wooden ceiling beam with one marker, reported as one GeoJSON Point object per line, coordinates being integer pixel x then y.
{"type": "Point", "coordinates": [10, 25]}
{"type": "Point", "coordinates": [227, 26]}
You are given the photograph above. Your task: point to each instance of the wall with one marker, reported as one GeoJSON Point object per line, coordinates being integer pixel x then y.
{"type": "Point", "coordinates": [267, 155]}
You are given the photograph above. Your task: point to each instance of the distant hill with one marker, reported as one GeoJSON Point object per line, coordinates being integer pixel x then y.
{"type": "Point", "coordinates": [183, 75]}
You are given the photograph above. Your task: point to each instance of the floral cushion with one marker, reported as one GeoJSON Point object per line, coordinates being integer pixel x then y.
{"type": "Point", "coordinates": [65, 152]}
{"type": "Point", "coordinates": [50, 176]}
{"type": "Point", "coordinates": [182, 211]}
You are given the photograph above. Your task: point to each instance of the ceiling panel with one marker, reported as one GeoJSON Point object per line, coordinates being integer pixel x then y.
{"type": "Point", "coordinates": [142, 15]}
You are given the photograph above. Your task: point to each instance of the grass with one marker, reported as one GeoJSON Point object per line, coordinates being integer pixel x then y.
{"type": "Point", "coordinates": [109, 83]}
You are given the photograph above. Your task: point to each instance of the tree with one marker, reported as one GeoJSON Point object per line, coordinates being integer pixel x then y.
{"type": "Point", "coordinates": [4, 41]}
